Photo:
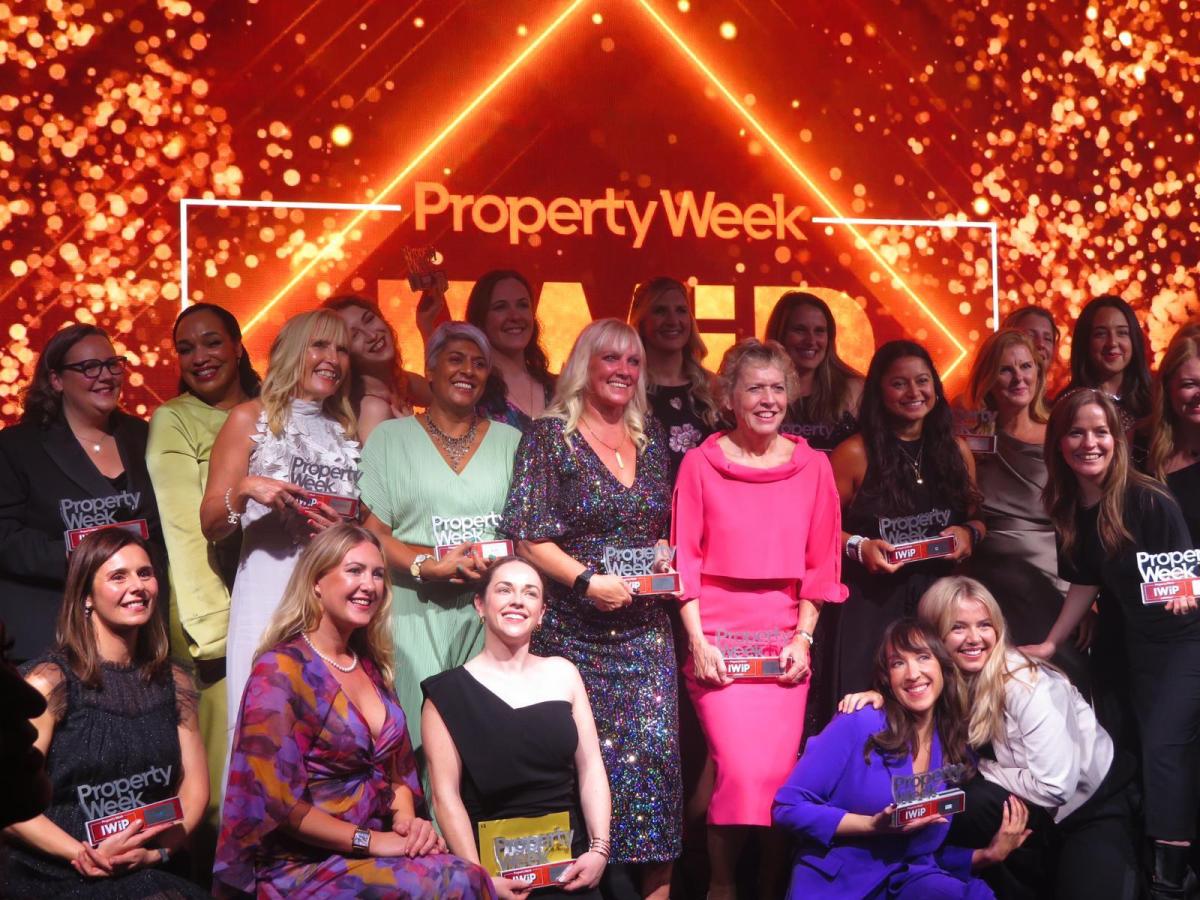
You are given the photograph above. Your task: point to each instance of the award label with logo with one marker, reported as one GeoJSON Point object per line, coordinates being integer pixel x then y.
{"type": "Point", "coordinates": [532, 851]}
{"type": "Point", "coordinates": [169, 811]}
{"type": "Point", "coordinates": [135, 526]}
{"type": "Point", "coordinates": [347, 507]}
{"type": "Point", "coordinates": [486, 550]}
{"type": "Point", "coordinates": [928, 795]}
{"type": "Point", "coordinates": [752, 655]}
{"type": "Point", "coordinates": [1167, 576]}
{"type": "Point", "coordinates": [927, 548]}
{"type": "Point", "coordinates": [422, 266]}
{"type": "Point", "coordinates": [645, 570]}
{"type": "Point", "coordinates": [977, 428]}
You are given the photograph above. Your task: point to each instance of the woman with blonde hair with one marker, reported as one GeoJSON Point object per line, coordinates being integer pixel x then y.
{"type": "Point", "coordinates": [1006, 395]}
{"type": "Point", "coordinates": [1116, 527]}
{"type": "Point", "coordinates": [825, 410]}
{"type": "Point", "coordinates": [323, 797]}
{"type": "Point", "coordinates": [273, 452]}
{"type": "Point", "coordinates": [1175, 426]}
{"type": "Point", "coordinates": [1040, 741]}
{"type": "Point", "coordinates": [592, 475]}
{"type": "Point", "coordinates": [678, 387]}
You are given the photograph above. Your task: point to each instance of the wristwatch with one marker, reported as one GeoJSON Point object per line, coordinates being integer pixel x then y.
{"type": "Point", "coordinates": [361, 842]}
{"type": "Point", "coordinates": [582, 580]}
{"type": "Point", "coordinates": [415, 568]}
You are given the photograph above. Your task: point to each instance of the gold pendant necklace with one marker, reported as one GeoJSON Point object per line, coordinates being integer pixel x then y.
{"type": "Point", "coordinates": [616, 451]}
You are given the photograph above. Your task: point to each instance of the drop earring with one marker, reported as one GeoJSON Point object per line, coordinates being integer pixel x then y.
{"type": "Point", "coordinates": [87, 610]}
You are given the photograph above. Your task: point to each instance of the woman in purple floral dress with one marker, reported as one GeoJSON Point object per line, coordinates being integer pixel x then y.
{"type": "Point", "coordinates": [678, 386]}
{"type": "Point", "coordinates": [323, 792]}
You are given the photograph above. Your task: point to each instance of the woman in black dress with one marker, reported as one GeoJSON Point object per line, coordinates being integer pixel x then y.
{"type": "Point", "coordinates": [826, 412]}
{"type": "Point", "coordinates": [903, 477]}
{"type": "Point", "coordinates": [511, 735]}
{"type": "Point", "coordinates": [1115, 526]}
{"type": "Point", "coordinates": [1175, 427]}
{"type": "Point", "coordinates": [678, 386]}
{"type": "Point", "coordinates": [1108, 353]}
{"type": "Point", "coordinates": [120, 732]}
{"type": "Point", "coordinates": [74, 461]}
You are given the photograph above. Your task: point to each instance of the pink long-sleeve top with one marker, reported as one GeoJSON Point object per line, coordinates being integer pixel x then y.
{"type": "Point", "coordinates": [735, 521]}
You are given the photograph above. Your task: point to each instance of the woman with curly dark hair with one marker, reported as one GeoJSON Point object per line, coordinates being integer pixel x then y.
{"type": "Point", "coordinates": [902, 478]}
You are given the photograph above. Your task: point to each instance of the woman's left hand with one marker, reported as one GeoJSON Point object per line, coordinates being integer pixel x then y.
{"type": "Point", "coordinates": [318, 517]}
{"type": "Point", "coordinates": [422, 840]}
{"type": "Point", "coordinates": [584, 872]}
{"type": "Point", "coordinates": [963, 542]}
{"type": "Point", "coordinates": [793, 659]}
{"type": "Point", "coordinates": [1181, 606]}
{"type": "Point", "coordinates": [1011, 834]}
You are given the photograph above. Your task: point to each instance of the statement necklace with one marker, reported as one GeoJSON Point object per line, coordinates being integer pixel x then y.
{"type": "Point", "coordinates": [347, 669]}
{"type": "Point", "coordinates": [616, 451]}
{"type": "Point", "coordinates": [914, 464]}
{"type": "Point", "coordinates": [456, 447]}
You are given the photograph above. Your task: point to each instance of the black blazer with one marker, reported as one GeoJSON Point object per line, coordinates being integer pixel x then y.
{"type": "Point", "coordinates": [47, 482]}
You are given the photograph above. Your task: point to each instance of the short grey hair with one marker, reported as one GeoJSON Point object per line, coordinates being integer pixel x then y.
{"type": "Point", "coordinates": [456, 331]}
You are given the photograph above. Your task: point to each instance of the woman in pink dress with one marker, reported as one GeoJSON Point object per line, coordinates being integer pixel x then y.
{"type": "Point", "coordinates": [756, 523]}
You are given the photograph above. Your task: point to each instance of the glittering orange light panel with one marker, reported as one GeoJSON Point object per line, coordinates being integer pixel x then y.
{"type": "Point", "coordinates": [1075, 135]}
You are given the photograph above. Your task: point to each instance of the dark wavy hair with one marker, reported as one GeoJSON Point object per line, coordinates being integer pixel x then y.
{"type": "Point", "coordinates": [399, 377]}
{"type": "Point", "coordinates": [248, 378]}
{"type": "Point", "coordinates": [74, 636]}
{"type": "Point", "coordinates": [892, 481]}
{"type": "Point", "coordinates": [830, 395]}
{"type": "Point", "coordinates": [478, 303]}
{"type": "Point", "coordinates": [41, 403]}
{"type": "Point", "coordinates": [898, 739]}
{"type": "Point", "coordinates": [1135, 380]}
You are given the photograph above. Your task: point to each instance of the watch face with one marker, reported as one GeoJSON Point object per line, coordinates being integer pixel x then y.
{"type": "Point", "coordinates": [362, 839]}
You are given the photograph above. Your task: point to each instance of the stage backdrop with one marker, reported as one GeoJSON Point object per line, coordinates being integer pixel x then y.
{"type": "Point", "coordinates": [917, 164]}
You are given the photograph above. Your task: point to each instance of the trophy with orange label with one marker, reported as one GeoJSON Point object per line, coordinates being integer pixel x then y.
{"type": "Point", "coordinates": [645, 570]}
{"type": "Point", "coordinates": [927, 795]}
{"type": "Point", "coordinates": [140, 527]}
{"type": "Point", "coordinates": [167, 811]}
{"type": "Point", "coordinates": [752, 655]}
{"type": "Point", "coordinates": [422, 267]}
{"type": "Point", "coordinates": [346, 507]}
{"type": "Point", "coordinates": [977, 428]}
{"type": "Point", "coordinates": [926, 548]}
{"type": "Point", "coordinates": [533, 851]}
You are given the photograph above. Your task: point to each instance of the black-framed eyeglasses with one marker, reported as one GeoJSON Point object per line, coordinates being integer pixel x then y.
{"type": "Point", "coordinates": [91, 368]}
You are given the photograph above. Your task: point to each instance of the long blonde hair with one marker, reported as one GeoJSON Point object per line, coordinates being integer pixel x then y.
{"type": "Point", "coordinates": [984, 690]}
{"type": "Point", "coordinates": [299, 612]}
{"type": "Point", "coordinates": [986, 371]}
{"type": "Point", "coordinates": [285, 369]}
{"type": "Point", "coordinates": [598, 337]}
{"type": "Point", "coordinates": [1164, 420]}
{"type": "Point", "coordinates": [699, 379]}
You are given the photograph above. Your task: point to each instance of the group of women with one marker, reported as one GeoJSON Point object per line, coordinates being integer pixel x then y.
{"type": "Point", "coordinates": [357, 665]}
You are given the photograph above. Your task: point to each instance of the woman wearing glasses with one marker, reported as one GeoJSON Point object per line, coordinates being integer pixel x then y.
{"type": "Point", "coordinates": [74, 461]}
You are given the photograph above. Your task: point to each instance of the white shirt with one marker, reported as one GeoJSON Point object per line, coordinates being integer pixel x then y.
{"type": "Point", "coordinates": [1053, 752]}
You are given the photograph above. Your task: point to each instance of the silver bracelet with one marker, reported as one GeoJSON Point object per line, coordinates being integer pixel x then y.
{"type": "Point", "coordinates": [233, 517]}
{"type": "Point", "coordinates": [801, 633]}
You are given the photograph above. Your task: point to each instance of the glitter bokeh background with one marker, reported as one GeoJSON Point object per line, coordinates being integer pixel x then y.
{"type": "Point", "coordinates": [1071, 126]}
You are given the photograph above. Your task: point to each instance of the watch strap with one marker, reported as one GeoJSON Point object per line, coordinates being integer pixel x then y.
{"type": "Point", "coordinates": [582, 580]}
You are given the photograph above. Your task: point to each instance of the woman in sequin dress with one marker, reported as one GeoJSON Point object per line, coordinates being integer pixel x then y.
{"type": "Point", "coordinates": [294, 438]}
{"type": "Point", "coordinates": [593, 473]}
{"type": "Point", "coordinates": [678, 387]}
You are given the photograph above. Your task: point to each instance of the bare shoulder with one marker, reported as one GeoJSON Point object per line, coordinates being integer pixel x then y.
{"type": "Point", "coordinates": [560, 669]}
{"type": "Point", "coordinates": [850, 454]}
{"type": "Point", "coordinates": [244, 416]}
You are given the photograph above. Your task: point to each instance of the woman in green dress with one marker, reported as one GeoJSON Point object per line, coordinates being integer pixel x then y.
{"type": "Point", "coordinates": [438, 479]}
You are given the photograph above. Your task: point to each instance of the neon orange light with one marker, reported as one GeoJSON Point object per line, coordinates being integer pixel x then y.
{"type": "Point", "coordinates": [437, 141]}
{"type": "Point", "coordinates": [799, 172]}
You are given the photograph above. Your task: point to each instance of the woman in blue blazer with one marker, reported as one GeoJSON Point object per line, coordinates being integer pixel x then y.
{"type": "Point", "coordinates": [838, 799]}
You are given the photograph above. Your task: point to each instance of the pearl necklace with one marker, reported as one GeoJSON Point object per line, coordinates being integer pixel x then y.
{"type": "Point", "coordinates": [347, 669]}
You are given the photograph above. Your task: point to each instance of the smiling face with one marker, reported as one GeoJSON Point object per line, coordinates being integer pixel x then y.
{"type": "Point", "coordinates": [1110, 345]}
{"type": "Point", "coordinates": [908, 390]}
{"type": "Point", "coordinates": [1015, 380]}
{"type": "Point", "coordinates": [326, 366]}
{"type": "Point", "coordinates": [508, 324]}
{"type": "Point", "coordinates": [806, 337]}
{"type": "Point", "coordinates": [124, 591]}
{"type": "Point", "coordinates": [513, 606]}
{"type": "Point", "coordinates": [91, 397]}
{"type": "Point", "coordinates": [208, 357]}
{"type": "Point", "coordinates": [915, 677]}
{"type": "Point", "coordinates": [370, 338]}
{"type": "Point", "coordinates": [351, 593]}
{"type": "Point", "coordinates": [759, 400]}
{"type": "Point", "coordinates": [612, 376]}
{"type": "Point", "coordinates": [667, 325]}
{"type": "Point", "coordinates": [1088, 445]}
{"type": "Point", "coordinates": [1041, 331]}
{"type": "Point", "coordinates": [458, 375]}
{"type": "Point", "coordinates": [972, 635]}
{"type": "Point", "coordinates": [1184, 393]}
